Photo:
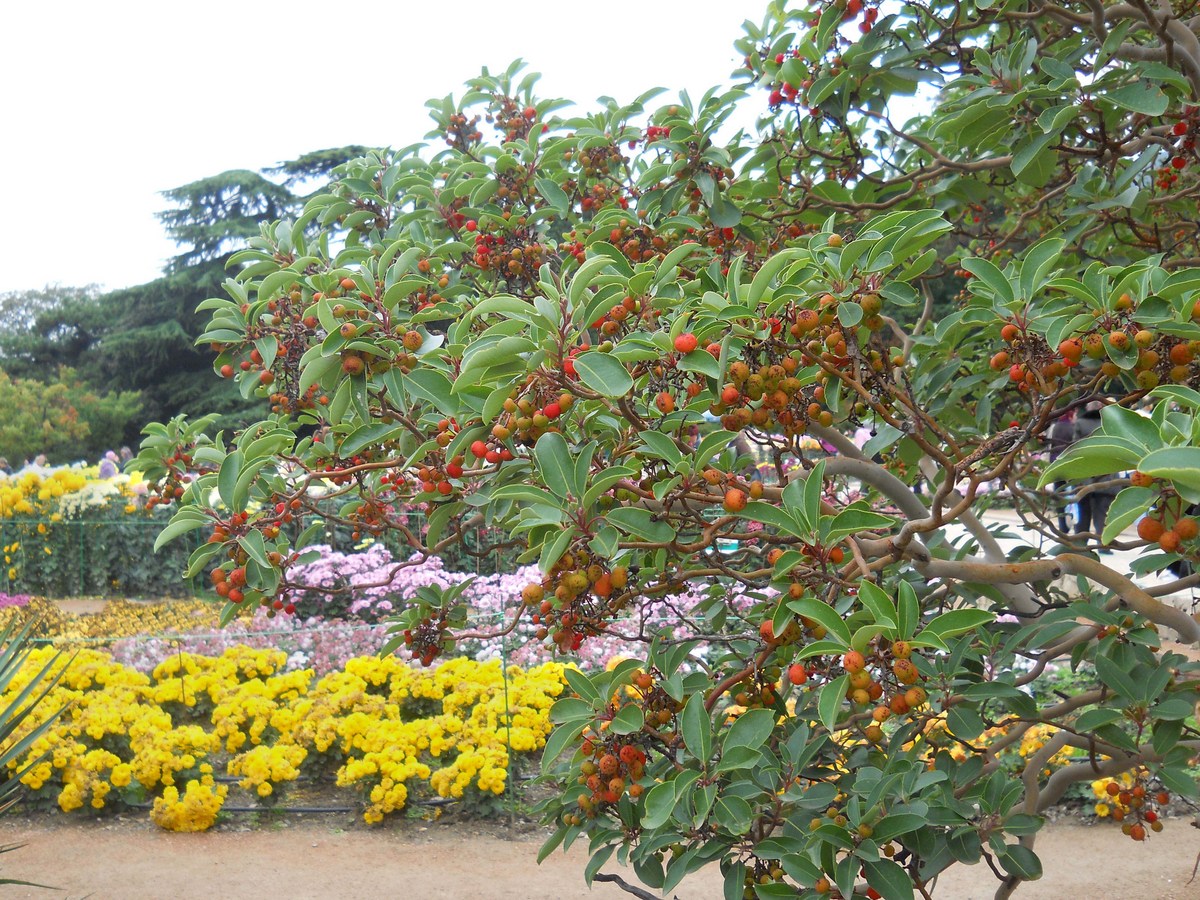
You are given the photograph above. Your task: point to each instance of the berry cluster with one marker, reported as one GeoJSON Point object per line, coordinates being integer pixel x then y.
{"type": "Point", "coordinates": [576, 599]}
{"type": "Point", "coordinates": [428, 639]}
{"type": "Point", "coordinates": [1136, 808]}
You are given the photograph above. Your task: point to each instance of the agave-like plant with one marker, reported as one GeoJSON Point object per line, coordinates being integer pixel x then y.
{"type": "Point", "coordinates": [15, 741]}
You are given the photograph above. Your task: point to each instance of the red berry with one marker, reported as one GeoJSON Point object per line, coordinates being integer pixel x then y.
{"type": "Point", "coordinates": [552, 411]}
{"type": "Point", "coordinates": [779, 59]}
{"type": "Point", "coordinates": [1180, 128]}
{"type": "Point", "coordinates": [471, 225]}
{"type": "Point", "coordinates": [1179, 162]}
{"type": "Point", "coordinates": [479, 449]}
{"type": "Point", "coordinates": [686, 343]}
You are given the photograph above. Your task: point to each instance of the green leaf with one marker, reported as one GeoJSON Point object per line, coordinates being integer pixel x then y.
{"type": "Point", "coordinates": [660, 803]}
{"type": "Point", "coordinates": [956, 622]}
{"type": "Point", "coordinates": [1139, 96]}
{"type": "Point", "coordinates": [823, 614]}
{"type": "Point", "coordinates": [896, 824]}
{"type": "Point", "coordinates": [909, 611]}
{"type": "Point", "coordinates": [696, 727]}
{"type": "Point", "coordinates": [1035, 267]}
{"type": "Point", "coordinates": [599, 858]}
{"type": "Point", "coordinates": [252, 542]}
{"type": "Point", "coordinates": [554, 195]}
{"type": "Point", "coordinates": [1127, 507]}
{"type": "Point", "coordinates": [1115, 677]}
{"type": "Point", "coordinates": [829, 701]}
{"type": "Point", "coordinates": [181, 523]}
{"type": "Point", "coordinates": [556, 466]}
{"type": "Point", "coordinates": [1021, 861]}
{"type": "Point", "coordinates": [227, 478]}
{"type": "Point", "coordinates": [582, 685]}
{"type": "Point", "coordinates": [988, 274]}
{"type": "Point", "coordinates": [661, 445]}
{"type": "Point", "coordinates": [889, 879]}
{"type": "Point", "coordinates": [770, 514]}
{"type": "Point", "coordinates": [700, 361]}
{"type": "Point", "coordinates": [849, 314]}
{"type": "Point", "coordinates": [750, 729]}
{"type": "Point", "coordinates": [483, 356]}
{"type": "Point", "coordinates": [964, 723]}
{"type": "Point", "coordinates": [368, 435]}
{"type": "Point", "coordinates": [1118, 420]}
{"type": "Point", "coordinates": [1099, 455]}
{"type": "Point", "coordinates": [560, 739]}
{"type": "Point", "coordinates": [1177, 464]}
{"type": "Point", "coordinates": [723, 213]}
{"type": "Point", "coordinates": [629, 719]}
{"type": "Point", "coordinates": [877, 603]}
{"type": "Point", "coordinates": [640, 523]}
{"type": "Point", "coordinates": [552, 550]}
{"type": "Point", "coordinates": [588, 270]}
{"type": "Point", "coordinates": [1097, 718]}
{"type": "Point", "coordinates": [569, 708]}
{"type": "Point", "coordinates": [733, 814]}
{"type": "Point", "coordinates": [768, 271]}
{"type": "Point", "coordinates": [854, 520]}
{"type": "Point", "coordinates": [603, 374]}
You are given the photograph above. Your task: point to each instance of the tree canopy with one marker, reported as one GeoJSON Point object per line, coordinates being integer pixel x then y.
{"type": "Point", "coordinates": [142, 340]}
{"type": "Point", "coordinates": [616, 337]}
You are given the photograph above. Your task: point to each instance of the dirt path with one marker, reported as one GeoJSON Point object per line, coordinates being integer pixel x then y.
{"type": "Point", "coordinates": [130, 860]}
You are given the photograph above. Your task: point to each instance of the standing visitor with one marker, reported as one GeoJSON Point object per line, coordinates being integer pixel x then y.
{"type": "Point", "coordinates": [1062, 433]}
{"type": "Point", "coordinates": [1094, 504]}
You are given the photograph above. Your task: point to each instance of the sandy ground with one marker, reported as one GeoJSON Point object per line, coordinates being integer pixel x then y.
{"type": "Point", "coordinates": [130, 860]}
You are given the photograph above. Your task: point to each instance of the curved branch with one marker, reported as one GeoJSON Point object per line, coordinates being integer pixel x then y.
{"type": "Point", "coordinates": [1125, 591]}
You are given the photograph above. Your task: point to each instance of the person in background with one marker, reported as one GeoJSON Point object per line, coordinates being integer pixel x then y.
{"type": "Point", "coordinates": [5, 468]}
{"type": "Point", "coordinates": [1093, 506]}
{"type": "Point", "coordinates": [1061, 434]}
{"type": "Point", "coordinates": [108, 465]}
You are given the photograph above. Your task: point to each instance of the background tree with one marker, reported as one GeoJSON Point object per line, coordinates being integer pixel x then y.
{"type": "Point", "coordinates": [43, 329]}
{"type": "Point", "coordinates": [61, 418]}
{"type": "Point", "coordinates": [532, 330]}
{"type": "Point", "coordinates": [142, 339]}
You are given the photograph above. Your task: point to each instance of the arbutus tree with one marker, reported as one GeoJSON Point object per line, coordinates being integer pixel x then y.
{"type": "Point", "coordinates": [579, 330]}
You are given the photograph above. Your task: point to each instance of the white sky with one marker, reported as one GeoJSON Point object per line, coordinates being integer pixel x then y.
{"type": "Point", "coordinates": [103, 105]}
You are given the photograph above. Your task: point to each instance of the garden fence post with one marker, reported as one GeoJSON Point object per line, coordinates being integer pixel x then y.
{"type": "Point", "coordinates": [79, 580]}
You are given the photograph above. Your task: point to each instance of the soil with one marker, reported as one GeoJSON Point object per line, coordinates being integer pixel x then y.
{"type": "Point", "coordinates": [331, 857]}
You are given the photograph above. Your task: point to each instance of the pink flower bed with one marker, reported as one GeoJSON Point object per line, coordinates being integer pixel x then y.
{"type": "Point", "coordinates": [332, 628]}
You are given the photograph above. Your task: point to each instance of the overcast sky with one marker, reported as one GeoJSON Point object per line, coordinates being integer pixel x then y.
{"type": "Point", "coordinates": [106, 104]}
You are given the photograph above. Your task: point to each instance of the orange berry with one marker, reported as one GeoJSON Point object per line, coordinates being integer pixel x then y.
{"type": "Point", "coordinates": [735, 500]}
{"type": "Point", "coordinates": [1149, 529]}
{"type": "Point", "coordinates": [853, 662]}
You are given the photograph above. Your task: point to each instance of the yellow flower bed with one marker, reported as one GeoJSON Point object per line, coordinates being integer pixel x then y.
{"type": "Point", "coordinates": [384, 728]}
{"type": "Point", "coordinates": [66, 491]}
{"type": "Point", "coordinates": [119, 619]}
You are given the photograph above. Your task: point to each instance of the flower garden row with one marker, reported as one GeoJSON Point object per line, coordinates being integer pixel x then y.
{"type": "Point", "coordinates": [377, 726]}
{"type": "Point", "coordinates": [174, 706]}
{"type": "Point", "coordinates": [68, 531]}
{"type": "Point", "coordinates": [149, 723]}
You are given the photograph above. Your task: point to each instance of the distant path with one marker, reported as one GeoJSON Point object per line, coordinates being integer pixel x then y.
{"type": "Point", "coordinates": [331, 859]}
